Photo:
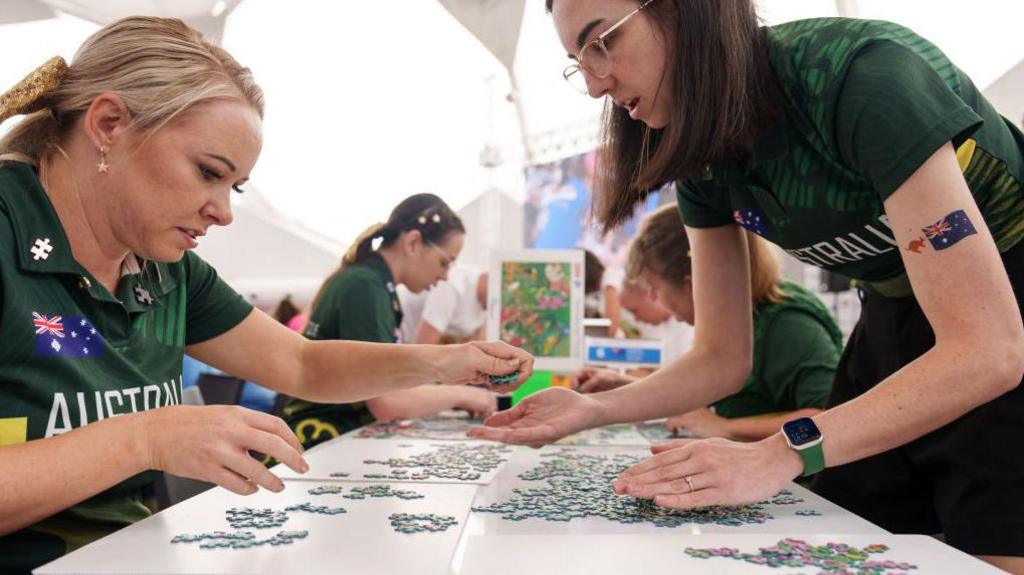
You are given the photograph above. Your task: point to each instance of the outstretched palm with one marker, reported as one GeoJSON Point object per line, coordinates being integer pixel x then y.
{"type": "Point", "coordinates": [541, 418]}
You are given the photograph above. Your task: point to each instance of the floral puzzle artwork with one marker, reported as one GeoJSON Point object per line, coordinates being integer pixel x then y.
{"type": "Point", "coordinates": [535, 311]}
{"type": "Point", "coordinates": [535, 302]}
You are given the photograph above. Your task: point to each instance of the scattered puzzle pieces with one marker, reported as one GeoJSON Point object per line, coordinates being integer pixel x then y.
{"type": "Point", "coordinates": [310, 508]}
{"type": "Point", "coordinates": [326, 490]}
{"type": "Point", "coordinates": [381, 491]}
{"type": "Point", "coordinates": [579, 485]}
{"type": "Point", "coordinates": [459, 461]}
{"type": "Point", "coordinates": [831, 558]}
{"type": "Point", "coordinates": [249, 518]}
{"type": "Point", "coordinates": [420, 522]}
{"type": "Point", "coordinates": [438, 428]}
{"type": "Point", "coordinates": [238, 540]}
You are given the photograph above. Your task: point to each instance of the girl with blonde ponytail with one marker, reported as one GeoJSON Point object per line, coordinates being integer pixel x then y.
{"type": "Point", "coordinates": [796, 340]}
{"type": "Point", "coordinates": [359, 301]}
{"type": "Point", "coordinates": [123, 160]}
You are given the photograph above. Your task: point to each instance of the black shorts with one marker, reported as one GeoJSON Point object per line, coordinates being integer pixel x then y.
{"type": "Point", "coordinates": [966, 479]}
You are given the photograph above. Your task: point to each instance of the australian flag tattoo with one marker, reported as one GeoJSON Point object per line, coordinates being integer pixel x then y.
{"type": "Point", "coordinates": [949, 230]}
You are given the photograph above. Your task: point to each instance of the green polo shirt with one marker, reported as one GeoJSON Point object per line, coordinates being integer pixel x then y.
{"type": "Point", "coordinates": [358, 304]}
{"type": "Point", "coordinates": [796, 349]}
{"type": "Point", "coordinates": [867, 103]}
{"type": "Point", "coordinates": [73, 353]}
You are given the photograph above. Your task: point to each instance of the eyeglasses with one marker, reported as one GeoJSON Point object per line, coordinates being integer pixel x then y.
{"type": "Point", "coordinates": [594, 58]}
{"type": "Point", "coordinates": [446, 259]}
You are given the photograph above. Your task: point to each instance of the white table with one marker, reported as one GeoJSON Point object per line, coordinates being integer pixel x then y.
{"type": "Point", "coordinates": [362, 541]}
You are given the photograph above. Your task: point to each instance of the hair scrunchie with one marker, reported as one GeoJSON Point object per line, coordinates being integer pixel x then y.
{"type": "Point", "coordinates": [32, 93]}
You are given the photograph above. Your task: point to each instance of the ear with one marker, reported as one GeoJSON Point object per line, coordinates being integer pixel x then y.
{"type": "Point", "coordinates": [412, 241]}
{"type": "Point", "coordinates": [106, 121]}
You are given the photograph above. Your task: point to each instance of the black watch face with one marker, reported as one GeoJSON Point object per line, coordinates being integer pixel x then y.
{"type": "Point", "coordinates": [801, 431]}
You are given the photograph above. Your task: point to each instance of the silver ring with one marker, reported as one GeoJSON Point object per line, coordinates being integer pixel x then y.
{"type": "Point", "coordinates": [689, 483]}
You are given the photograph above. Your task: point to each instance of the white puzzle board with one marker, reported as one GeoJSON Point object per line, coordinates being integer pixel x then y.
{"type": "Point", "coordinates": [345, 455]}
{"type": "Point", "coordinates": [359, 541]}
{"type": "Point", "coordinates": [799, 511]}
{"type": "Point", "coordinates": [535, 301]}
{"type": "Point", "coordinates": [666, 554]}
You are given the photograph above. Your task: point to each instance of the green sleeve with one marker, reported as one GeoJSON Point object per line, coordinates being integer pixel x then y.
{"type": "Point", "coordinates": [698, 206]}
{"type": "Point", "coordinates": [357, 308]}
{"type": "Point", "coordinates": [894, 111]}
{"type": "Point", "coordinates": [799, 360]}
{"type": "Point", "coordinates": [212, 307]}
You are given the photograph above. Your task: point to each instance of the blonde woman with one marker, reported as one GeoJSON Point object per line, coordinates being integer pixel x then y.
{"type": "Point", "coordinates": [124, 161]}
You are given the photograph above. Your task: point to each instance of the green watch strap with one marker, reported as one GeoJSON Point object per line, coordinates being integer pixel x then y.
{"type": "Point", "coordinates": [814, 459]}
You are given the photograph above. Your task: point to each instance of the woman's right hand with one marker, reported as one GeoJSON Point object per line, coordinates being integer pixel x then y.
{"type": "Point", "coordinates": [212, 443]}
{"type": "Point", "coordinates": [542, 418]}
{"type": "Point", "coordinates": [594, 380]}
{"type": "Point", "coordinates": [479, 402]}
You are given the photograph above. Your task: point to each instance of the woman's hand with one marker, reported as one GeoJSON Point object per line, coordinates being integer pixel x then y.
{"type": "Point", "coordinates": [212, 443]}
{"type": "Point", "coordinates": [593, 380]}
{"type": "Point", "coordinates": [480, 403]}
{"type": "Point", "coordinates": [691, 473]}
{"type": "Point", "coordinates": [701, 423]}
{"type": "Point", "coordinates": [474, 361]}
{"type": "Point", "coordinates": [541, 418]}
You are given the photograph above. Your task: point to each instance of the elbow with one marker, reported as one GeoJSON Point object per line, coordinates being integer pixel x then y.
{"type": "Point", "coordinates": [385, 408]}
{"type": "Point", "coordinates": [999, 355]}
{"type": "Point", "coordinates": [1009, 356]}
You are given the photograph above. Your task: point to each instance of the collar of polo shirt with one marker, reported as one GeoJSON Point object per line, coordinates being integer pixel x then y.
{"type": "Point", "coordinates": [43, 247]}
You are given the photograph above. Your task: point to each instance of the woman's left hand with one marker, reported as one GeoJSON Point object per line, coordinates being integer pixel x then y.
{"type": "Point", "coordinates": [691, 473]}
{"type": "Point", "coordinates": [472, 362]}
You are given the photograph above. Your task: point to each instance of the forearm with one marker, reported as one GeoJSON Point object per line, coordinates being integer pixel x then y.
{"type": "Point", "coordinates": [347, 371]}
{"type": "Point", "coordinates": [696, 379]}
{"type": "Point", "coordinates": [415, 403]}
{"type": "Point", "coordinates": [46, 476]}
{"type": "Point", "coordinates": [758, 427]}
{"type": "Point", "coordinates": [935, 389]}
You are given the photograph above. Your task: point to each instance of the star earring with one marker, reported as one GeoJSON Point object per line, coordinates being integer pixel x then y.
{"type": "Point", "coordinates": [103, 166]}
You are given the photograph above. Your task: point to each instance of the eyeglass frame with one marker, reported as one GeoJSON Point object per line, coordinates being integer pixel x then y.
{"type": "Point", "coordinates": [447, 261]}
{"type": "Point", "coordinates": [578, 66]}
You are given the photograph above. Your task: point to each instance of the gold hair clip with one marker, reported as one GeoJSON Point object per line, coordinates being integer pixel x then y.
{"type": "Point", "coordinates": [29, 95]}
{"type": "Point", "coordinates": [436, 218]}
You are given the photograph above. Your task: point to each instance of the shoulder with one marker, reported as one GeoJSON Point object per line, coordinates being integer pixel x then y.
{"type": "Point", "coordinates": [812, 57]}
{"type": "Point", "coordinates": [16, 181]}
{"type": "Point", "coordinates": [356, 285]}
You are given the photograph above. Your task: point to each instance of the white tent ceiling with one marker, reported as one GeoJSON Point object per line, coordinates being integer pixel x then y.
{"type": "Point", "coordinates": [207, 16]}
{"type": "Point", "coordinates": [366, 107]}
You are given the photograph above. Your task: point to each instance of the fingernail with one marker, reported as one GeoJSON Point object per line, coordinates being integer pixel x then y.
{"type": "Point", "coordinates": [305, 467]}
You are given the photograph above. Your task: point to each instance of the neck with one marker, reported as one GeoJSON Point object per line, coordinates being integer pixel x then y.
{"type": "Point", "coordinates": [92, 244]}
{"type": "Point", "coordinates": [393, 261]}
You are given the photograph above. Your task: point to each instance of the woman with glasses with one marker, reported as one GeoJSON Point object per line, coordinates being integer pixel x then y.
{"type": "Point", "coordinates": [415, 248]}
{"type": "Point", "coordinates": [858, 147]}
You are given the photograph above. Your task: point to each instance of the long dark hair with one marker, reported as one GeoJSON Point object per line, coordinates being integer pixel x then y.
{"type": "Point", "coordinates": [723, 93]}
{"type": "Point", "coordinates": [427, 213]}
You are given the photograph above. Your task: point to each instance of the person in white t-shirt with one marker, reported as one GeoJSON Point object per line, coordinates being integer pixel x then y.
{"type": "Point", "coordinates": [454, 310]}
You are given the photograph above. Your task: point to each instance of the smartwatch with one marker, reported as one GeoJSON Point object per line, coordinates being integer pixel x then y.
{"type": "Point", "coordinates": [804, 437]}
